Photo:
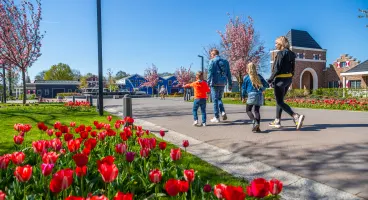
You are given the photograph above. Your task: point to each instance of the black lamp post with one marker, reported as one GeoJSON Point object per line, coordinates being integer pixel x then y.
{"type": "Point", "coordinates": [100, 76]}
{"type": "Point", "coordinates": [202, 63]}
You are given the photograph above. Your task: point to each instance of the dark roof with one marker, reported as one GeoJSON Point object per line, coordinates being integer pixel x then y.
{"type": "Point", "coordinates": [362, 67]}
{"type": "Point", "coordinates": [298, 38]}
{"type": "Point", "coordinates": [55, 82]}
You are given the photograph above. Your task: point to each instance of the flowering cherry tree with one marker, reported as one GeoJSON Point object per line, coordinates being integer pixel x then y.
{"type": "Point", "coordinates": [241, 46]}
{"type": "Point", "coordinates": [151, 76]}
{"type": "Point", "coordinates": [183, 75]}
{"type": "Point", "coordinates": [20, 37]}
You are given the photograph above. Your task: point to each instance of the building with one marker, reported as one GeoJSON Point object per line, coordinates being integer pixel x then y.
{"type": "Point", "coordinates": [48, 89]}
{"type": "Point", "coordinates": [310, 60]}
{"type": "Point", "coordinates": [132, 83]}
{"type": "Point", "coordinates": [171, 84]}
{"type": "Point", "coordinates": [311, 71]}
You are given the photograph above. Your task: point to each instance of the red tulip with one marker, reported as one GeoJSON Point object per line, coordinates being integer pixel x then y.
{"type": "Point", "coordinates": [81, 171]}
{"type": "Point", "coordinates": [117, 125]}
{"type": "Point", "coordinates": [275, 186]}
{"type": "Point", "coordinates": [162, 145]}
{"type": "Point", "coordinates": [111, 132]}
{"type": "Point", "coordinates": [106, 160]}
{"type": "Point", "coordinates": [18, 158]}
{"type": "Point", "coordinates": [80, 159]}
{"type": "Point", "coordinates": [185, 143]}
{"type": "Point", "coordinates": [18, 127]}
{"type": "Point", "coordinates": [93, 133]}
{"type": "Point", "coordinates": [4, 161]}
{"type": "Point", "coordinates": [152, 143]}
{"type": "Point", "coordinates": [39, 146]}
{"type": "Point", "coordinates": [84, 135]}
{"type": "Point", "coordinates": [56, 144]}
{"type": "Point", "coordinates": [21, 134]}
{"type": "Point", "coordinates": [73, 145]}
{"type": "Point", "coordinates": [102, 197]}
{"type": "Point", "coordinates": [88, 128]}
{"type": "Point", "coordinates": [122, 196]}
{"type": "Point", "coordinates": [183, 186]}
{"type": "Point", "coordinates": [61, 180]}
{"type": "Point", "coordinates": [2, 195]}
{"type": "Point", "coordinates": [172, 187]}
{"type": "Point", "coordinates": [101, 136]}
{"type": "Point", "coordinates": [50, 132]}
{"type": "Point", "coordinates": [130, 156]}
{"type": "Point", "coordinates": [121, 148]}
{"type": "Point", "coordinates": [23, 174]}
{"type": "Point", "coordinates": [90, 143]}
{"type": "Point", "coordinates": [68, 137]}
{"type": "Point", "coordinates": [72, 124]}
{"type": "Point", "coordinates": [108, 172]}
{"type": "Point", "coordinates": [26, 128]}
{"type": "Point", "coordinates": [145, 152]}
{"type": "Point", "coordinates": [189, 175]}
{"type": "Point", "coordinates": [50, 157]}
{"type": "Point", "coordinates": [18, 139]}
{"type": "Point", "coordinates": [219, 190]}
{"type": "Point", "coordinates": [57, 125]}
{"type": "Point", "coordinates": [260, 187]}
{"type": "Point", "coordinates": [75, 198]}
{"type": "Point", "coordinates": [234, 193]}
{"type": "Point", "coordinates": [41, 126]}
{"type": "Point", "coordinates": [82, 127]}
{"type": "Point", "coordinates": [58, 134]}
{"type": "Point", "coordinates": [107, 126]}
{"type": "Point", "coordinates": [175, 154]}
{"type": "Point", "coordinates": [64, 129]}
{"type": "Point", "coordinates": [139, 133]}
{"type": "Point", "coordinates": [77, 130]}
{"type": "Point", "coordinates": [86, 151]}
{"type": "Point", "coordinates": [147, 132]}
{"type": "Point", "coordinates": [109, 118]}
{"type": "Point", "coordinates": [46, 169]}
{"type": "Point", "coordinates": [155, 176]}
{"type": "Point", "coordinates": [207, 188]}
{"type": "Point", "coordinates": [249, 191]}
{"type": "Point", "coordinates": [162, 133]}
{"type": "Point", "coordinates": [62, 151]}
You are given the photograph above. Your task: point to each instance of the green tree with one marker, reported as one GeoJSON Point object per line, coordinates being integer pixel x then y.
{"type": "Point", "coordinates": [121, 74]}
{"type": "Point", "coordinates": [83, 83]}
{"type": "Point", "coordinates": [40, 76]}
{"type": "Point", "coordinates": [60, 71]}
{"type": "Point", "coordinates": [364, 14]}
{"type": "Point", "coordinates": [76, 74]}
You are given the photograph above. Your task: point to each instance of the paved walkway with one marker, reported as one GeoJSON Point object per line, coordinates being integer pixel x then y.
{"type": "Point", "coordinates": [329, 153]}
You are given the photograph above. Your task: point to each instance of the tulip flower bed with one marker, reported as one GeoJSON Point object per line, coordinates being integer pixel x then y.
{"type": "Point", "coordinates": [109, 158]}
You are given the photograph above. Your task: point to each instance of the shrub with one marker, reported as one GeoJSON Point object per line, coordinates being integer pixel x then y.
{"type": "Point", "coordinates": [63, 95]}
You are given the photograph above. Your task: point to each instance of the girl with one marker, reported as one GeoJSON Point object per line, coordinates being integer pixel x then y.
{"type": "Point", "coordinates": [200, 97]}
{"type": "Point", "coordinates": [254, 85]}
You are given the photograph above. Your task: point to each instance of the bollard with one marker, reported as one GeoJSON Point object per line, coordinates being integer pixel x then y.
{"type": "Point", "coordinates": [73, 97]}
{"type": "Point", "coordinates": [91, 100]}
{"type": "Point", "coordinates": [127, 106]}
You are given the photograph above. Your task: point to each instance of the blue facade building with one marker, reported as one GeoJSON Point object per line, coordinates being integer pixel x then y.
{"type": "Point", "coordinates": [50, 89]}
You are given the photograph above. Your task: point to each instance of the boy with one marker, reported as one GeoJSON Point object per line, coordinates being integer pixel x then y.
{"type": "Point", "coordinates": [200, 97]}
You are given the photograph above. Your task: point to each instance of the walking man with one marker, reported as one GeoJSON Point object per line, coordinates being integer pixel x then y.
{"type": "Point", "coordinates": [218, 76]}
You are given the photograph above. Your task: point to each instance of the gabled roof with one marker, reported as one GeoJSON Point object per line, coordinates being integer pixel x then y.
{"type": "Point", "coordinates": [362, 67]}
{"type": "Point", "coordinates": [58, 82]}
{"type": "Point", "coordinates": [298, 38]}
{"type": "Point", "coordinates": [167, 77]}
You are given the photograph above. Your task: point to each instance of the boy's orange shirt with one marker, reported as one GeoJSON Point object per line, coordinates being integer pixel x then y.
{"type": "Point", "coordinates": [200, 89]}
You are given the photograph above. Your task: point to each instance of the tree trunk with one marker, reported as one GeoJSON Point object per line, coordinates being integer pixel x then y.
{"type": "Point", "coordinates": [240, 83]}
{"type": "Point", "coordinates": [10, 77]}
{"type": "Point", "coordinates": [24, 87]}
{"type": "Point", "coordinates": [4, 85]}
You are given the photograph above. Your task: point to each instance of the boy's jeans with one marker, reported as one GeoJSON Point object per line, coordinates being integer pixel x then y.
{"type": "Point", "coordinates": [199, 103]}
{"type": "Point", "coordinates": [217, 92]}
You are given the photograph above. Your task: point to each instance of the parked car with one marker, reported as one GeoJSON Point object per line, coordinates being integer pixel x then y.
{"type": "Point", "coordinates": [140, 93]}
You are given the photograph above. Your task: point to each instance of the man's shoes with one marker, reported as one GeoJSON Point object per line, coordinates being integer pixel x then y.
{"type": "Point", "coordinates": [224, 116]}
{"type": "Point", "coordinates": [215, 120]}
{"type": "Point", "coordinates": [275, 123]}
{"type": "Point", "coordinates": [195, 123]}
{"type": "Point", "coordinates": [204, 124]}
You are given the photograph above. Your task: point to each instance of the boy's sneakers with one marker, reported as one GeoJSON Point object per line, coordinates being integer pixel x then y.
{"type": "Point", "coordinates": [195, 123]}
{"type": "Point", "coordinates": [276, 123]}
{"type": "Point", "coordinates": [298, 120]}
{"type": "Point", "coordinates": [204, 124]}
{"type": "Point", "coordinates": [215, 120]}
{"type": "Point", "coordinates": [255, 127]}
{"type": "Point", "coordinates": [224, 116]}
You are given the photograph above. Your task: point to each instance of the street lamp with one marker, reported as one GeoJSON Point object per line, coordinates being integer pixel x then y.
{"type": "Point", "coordinates": [202, 63]}
{"type": "Point", "coordinates": [100, 76]}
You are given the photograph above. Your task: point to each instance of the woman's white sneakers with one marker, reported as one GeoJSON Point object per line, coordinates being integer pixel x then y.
{"type": "Point", "coordinates": [298, 120]}
{"type": "Point", "coordinates": [275, 123]}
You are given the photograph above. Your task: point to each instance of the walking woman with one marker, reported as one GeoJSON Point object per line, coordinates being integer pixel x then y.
{"type": "Point", "coordinates": [281, 79]}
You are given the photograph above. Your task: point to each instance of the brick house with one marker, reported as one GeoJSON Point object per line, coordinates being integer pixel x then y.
{"type": "Point", "coordinates": [311, 71]}
{"type": "Point", "coordinates": [310, 62]}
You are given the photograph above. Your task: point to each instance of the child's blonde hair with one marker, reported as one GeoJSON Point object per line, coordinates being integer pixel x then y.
{"type": "Point", "coordinates": [253, 75]}
{"type": "Point", "coordinates": [199, 75]}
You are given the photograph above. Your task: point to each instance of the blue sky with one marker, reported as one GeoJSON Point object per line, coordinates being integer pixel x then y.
{"type": "Point", "coordinates": [172, 33]}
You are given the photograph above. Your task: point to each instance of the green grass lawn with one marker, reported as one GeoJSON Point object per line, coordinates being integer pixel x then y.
{"type": "Point", "coordinates": [49, 113]}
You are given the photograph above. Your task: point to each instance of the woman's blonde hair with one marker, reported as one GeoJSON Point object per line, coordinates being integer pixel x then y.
{"type": "Point", "coordinates": [284, 42]}
{"type": "Point", "coordinates": [253, 75]}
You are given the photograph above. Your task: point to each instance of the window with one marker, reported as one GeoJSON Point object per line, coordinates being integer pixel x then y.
{"type": "Point", "coordinates": [140, 82]}
{"type": "Point", "coordinates": [333, 84]}
{"type": "Point", "coordinates": [315, 56]}
{"type": "Point", "coordinates": [39, 92]}
{"type": "Point", "coordinates": [69, 90]}
{"type": "Point", "coordinates": [355, 84]}
{"type": "Point", "coordinates": [170, 83]}
{"type": "Point", "coordinates": [47, 92]}
{"type": "Point", "coordinates": [342, 64]}
{"type": "Point", "coordinates": [136, 82]}
{"type": "Point", "coordinates": [300, 55]}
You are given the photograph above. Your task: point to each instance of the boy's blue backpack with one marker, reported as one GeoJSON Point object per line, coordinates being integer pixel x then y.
{"type": "Point", "coordinates": [220, 72]}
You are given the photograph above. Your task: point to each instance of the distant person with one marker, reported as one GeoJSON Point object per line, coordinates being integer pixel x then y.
{"type": "Point", "coordinates": [281, 79]}
{"type": "Point", "coordinates": [162, 92]}
{"type": "Point", "coordinates": [200, 97]}
{"type": "Point", "coordinates": [254, 85]}
{"type": "Point", "coordinates": [218, 76]}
